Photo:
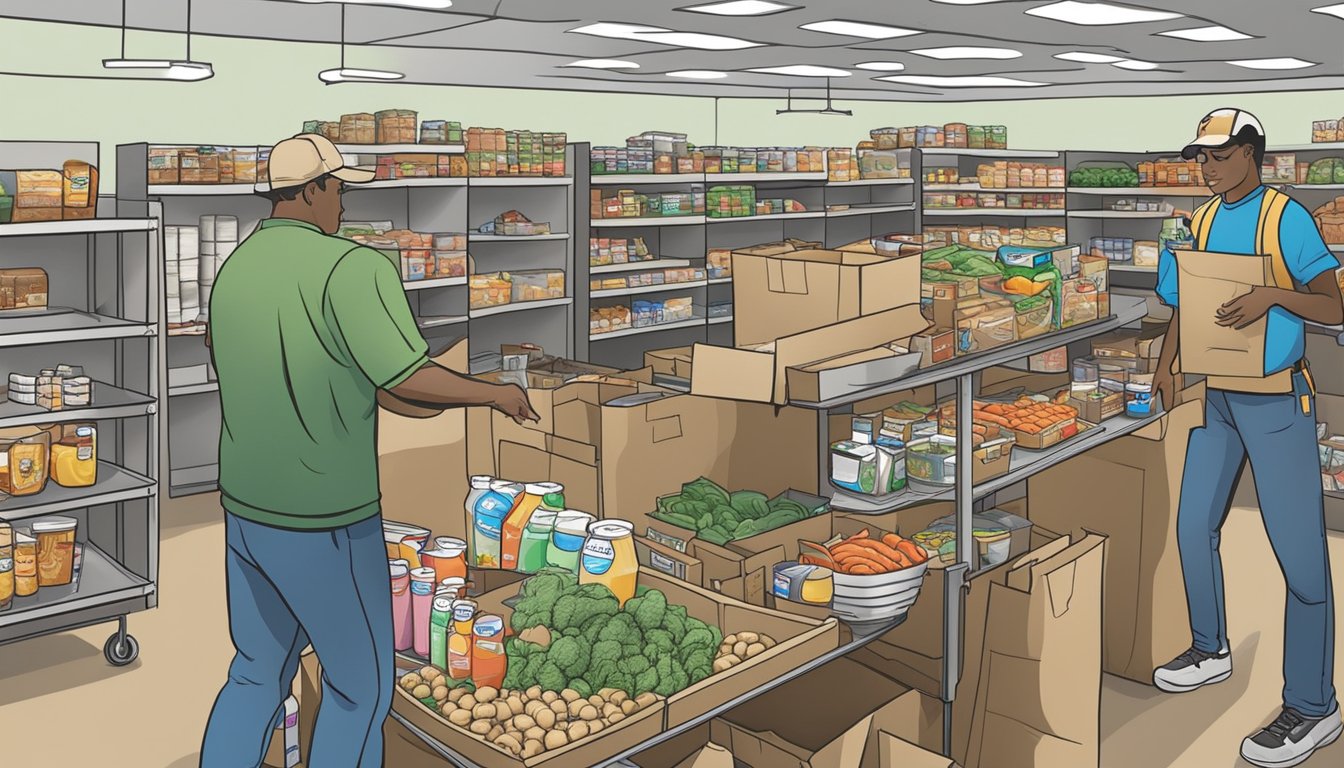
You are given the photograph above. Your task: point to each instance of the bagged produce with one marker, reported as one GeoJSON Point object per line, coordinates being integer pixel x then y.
{"type": "Point", "coordinates": [1330, 219]}
{"type": "Point", "coordinates": [1329, 170]}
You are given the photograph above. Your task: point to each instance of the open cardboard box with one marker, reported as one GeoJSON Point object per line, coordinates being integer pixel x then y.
{"type": "Point", "coordinates": [760, 373]}
{"type": "Point", "coordinates": [785, 729]}
{"type": "Point", "coordinates": [674, 361]}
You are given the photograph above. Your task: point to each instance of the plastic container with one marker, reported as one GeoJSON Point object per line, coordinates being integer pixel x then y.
{"type": "Point", "coordinates": [25, 565]}
{"type": "Point", "coordinates": [74, 455]}
{"type": "Point", "coordinates": [488, 662]}
{"type": "Point", "coordinates": [511, 533]}
{"type": "Point", "coordinates": [487, 522]}
{"type": "Point", "coordinates": [448, 558]}
{"type": "Point", "coordinates": [536, 540]}
{"type": "Point", "coordinates": [1139, 395]}
{"type": "Point", "coordinates": [804, 583]}
{"type": "Point", "coordinates": [6, 565]}
{"type": "Point", "coordinates": [24, 459]}
{"type": "Point", "coordinates": [403, 622]}
{"type": "Point", "coordinates": [609, 558]}
{"type": "Point", "coordinates": [55, 550]}
{"type": "Point", "coordinates": [404, 542]}
{"type": "Point", "coordinates": [461, 640]}
{"type": "Point", "coordinates": [571, 531]}
{"type": "Point", "coordinates": [422, 605]}
{"type": "Point", "coordinates": [440, 627]}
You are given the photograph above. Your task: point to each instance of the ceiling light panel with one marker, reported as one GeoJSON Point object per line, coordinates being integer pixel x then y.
{"type": "Point", "coordinates": [432, 5]}
{"type": "Point", "coordinates": [970, 81]}
{"type": "Point", "coordinates": [1088, 58]}
{"type": "Point", "coordinates": [803, 70]}
{"type": "Point", "coordinates": [882, 66]}
{"type": "Point", "coordinates": [1284, 63]}
{"type": "Point", "coordinates": [603, 64]}
{"type": "Point", "coordinates": [969, 2]}
{"type": "Point", "coordinates": [742, 8]}
{"type": "Point", "coordinates": [1098, 14]}
{"type": "Point", "coordinates": [162, 69]}
{"type": "Point", "coordinates": [699, 74]}
{"type": "Point", "coordinates": [1136, 65]}
{"type": "Point", "coordinates": [353, 75]}
{"type": "Point", "coordinates": [1331, 10]}
{"type": "Point", "coordinates": [1207, 34]}
{"type": "Point", "coordinates": [969, 52]}
{"type": "Point", "coordinates": [859, 29]}
{"type": "Point", "coordinates": [664, 36]}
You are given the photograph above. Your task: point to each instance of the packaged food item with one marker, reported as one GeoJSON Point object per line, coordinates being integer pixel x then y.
{"type": "Point", "coordinates": [487, 522]}
{"type": "Point", "coordinates": [25, 564]}
{"type": "Point", "coordinates": [440, 628]}
{"type": "Point", "coordinates": [462, 639]}
{"type": "Point", "coordinates": [404, 542]}
{"type": "Point", "coordinates": [422, 605]}
{"type": "Point", "coordinates": [511, 532]}
{"type": "Point", "coordinates": [162, 162]}
{"type": "Point", "coordinates": [537, 534]}
{"type": "Point", "coordinates": [860, 468]}
{"type": "Point", "coordinates": [79, 190]}
{"type": "Point", "coordinates": [37, 196]}
{"type": "Point", "coordinates": [609, 558]}
{"type": "Point", "coordinates": [24, 460]}
{"type": "Point", "coordinates": [1139, 395]}
{"type": "Point", "coordinates": [55, 550]}
{"type": "Point", "coordinates": [403, 619]}
{"type": "Point", "coordinates": [567, 540]}
{"type": "Point", "coordinates": [488, 662]}
{"type": "Point", "coordinates": [448, 558]}
{"type": "Point", "coordinates": [804, 583]}
{"type": "Point", "coordinates": [24, 288]}
{"type": "Point", "coordinates": [455, 586]}
{"type": "Point", "coordinates": [6, 565]}
{"type": "Point", "coordinates": [358, 128]}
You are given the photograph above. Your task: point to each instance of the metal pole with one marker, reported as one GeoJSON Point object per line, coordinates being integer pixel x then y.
{"type": "Point", "coordinates": [965, 469]}
{"type": "Point", "coordinates": [955, 576]}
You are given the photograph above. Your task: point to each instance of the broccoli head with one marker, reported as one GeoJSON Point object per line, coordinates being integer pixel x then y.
{"type": "Point", "coordinates": [550, 678]}
{"type": "Point", "coordinates": [648, 609]}
{"type": "Point", "coordinates": [698, 636]}
{"type": "Point", "coordinates": [592, 628]}
{"type": "Point", "coordinates": [671, 676]}
{"type": "Point", "coordinates": [622, 681]}
{"type": "Point", "coordinates": [699, 664]}
{"type": "Point", "coordinates": [574, 610]}
{"type": "Point", "coordinates": [645, 682]}
{"type": "Point", "coordinates": [536, 598]}
{"type": "Point", "coordinates": [570, 655]}
{"type": "Point", "coordinates": [608, 650]}
{"type": "Point", "coordinates": [600, 672]}
{"type": "Point", "coordinates": [584, 688]}
{"type": "Point", "coordinates": [635, 664]}
{"type": "Point", "coordinates": [660, 640]}
{"type": "Point", "coordinates": [675, 622]}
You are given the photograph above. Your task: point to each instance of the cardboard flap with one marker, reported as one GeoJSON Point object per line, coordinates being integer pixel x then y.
{"type": "Point", "coordinates": [1021, 571]}
{"type": "Point", "coordinates": [786, 276]}
{"type": "Point", "coordinates": [1242, 270]}
{"type": "Point", "coordinates": [665, 429]}
{"type": "Point", "coordinates": [895, 752]}
{"type": "Point", "coordinates": [571, 449]}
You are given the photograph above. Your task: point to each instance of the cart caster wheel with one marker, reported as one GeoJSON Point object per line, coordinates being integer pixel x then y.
{"type": "Point", "coordinates": [119, 654]}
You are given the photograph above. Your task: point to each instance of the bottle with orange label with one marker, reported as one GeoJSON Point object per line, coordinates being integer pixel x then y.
{"type": "Point", "coordinates": [460, 642]}
{"type": "Point", "coordinates": [488, 662]}
{"type": "Point", "coordinates": [609, 558]}
{"type": "Point", "coordinates": [511, 533]}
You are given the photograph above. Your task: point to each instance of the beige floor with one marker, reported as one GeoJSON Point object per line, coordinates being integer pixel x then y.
{"type": "Point", "coordinates": [59, 698]}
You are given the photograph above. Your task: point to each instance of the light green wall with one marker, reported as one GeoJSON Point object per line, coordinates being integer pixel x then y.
{"type": "Point", "coordinates": [263, 91]}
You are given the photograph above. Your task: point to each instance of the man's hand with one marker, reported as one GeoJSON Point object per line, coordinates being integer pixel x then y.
{"type": "Point", "coordinates": [511, 400]}
{"type": "Point", "coordinates": [1166, 386]}
{"type": "Point", "coordinates": [1241, 312]}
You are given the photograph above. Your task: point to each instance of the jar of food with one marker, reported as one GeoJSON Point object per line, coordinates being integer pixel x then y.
{"type": "Point", "coordinates": [25, 564]}
{"type": "Point", "coordinates": [74, 455]}
{"type": "Point", "coordinates": [6, 565]}
{"type": "Point", "coordinates": [24, 454]}
{"type": "Point", "coordinates": [609, 558]}
{"type": "Point", "coordinates": [55, 550]}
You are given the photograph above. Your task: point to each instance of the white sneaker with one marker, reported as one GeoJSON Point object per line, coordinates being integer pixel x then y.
{"type": "Point", "coordinates": [1290, 739]}
{"type": "Point", "coordinates": [1193, 669]}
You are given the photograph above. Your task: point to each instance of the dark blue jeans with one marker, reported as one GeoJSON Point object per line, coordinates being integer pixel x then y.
{"type": "Point", "coordinates": [1280, 441]}
{"type": "Point", "coordinates": [287, 589]}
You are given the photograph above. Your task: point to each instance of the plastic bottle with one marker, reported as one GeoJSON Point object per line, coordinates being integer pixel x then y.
{"type": "Point", "coordinates": [536, 540]}
{"type": "Point", "coordinates": [455, 586]}
{"type": "Point", "coordinates": [448, 557]}
{"type": "Point", "coordinates": [609, 558]}
{"type": "Point", "coordinates": [480, 485]}
{"type": "Point", "coordinates": [461, 641]}
{"type": "Point", "coordinates": [488, 663]}
{"type": "Point", "coordinates": [440, 619]}
{"type": "Point", "coordinates": [571, 530]}
{"type": "Point", "coordinates": [490, 511]}
{"type": "Point", "coordinates": [422, 605]}
{"type": "Point", "coordinates": [403, 623]}
{"type": "Point", "coordinates": [511, 535]}
{"type": "Point", "coordinates": [6, 565]}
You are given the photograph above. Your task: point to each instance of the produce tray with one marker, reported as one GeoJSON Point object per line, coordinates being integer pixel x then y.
{"type": "Point", "coordinates": [1049, 438]}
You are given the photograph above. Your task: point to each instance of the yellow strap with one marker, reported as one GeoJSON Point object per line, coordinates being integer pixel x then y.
{"type": "Point", "coordinates": [1267, 237]}
{"type": "Point", "coordinates": [1202, 221]}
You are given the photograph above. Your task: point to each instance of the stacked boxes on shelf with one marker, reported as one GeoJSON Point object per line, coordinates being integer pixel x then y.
{"type": "Point", "coordinates": [1171, 173]}
{"type": "Point", "coordinates": [420, 255]}
{"type": "Point", "coordinates": [420, 165]}
{"type": "Point", "coordinates": [206, 165]}
{"type": "Point", "coordinates": [1009, 174]}
{"type": "Point", "coordinates": [501, 288]}
{"type": "Point", "coordinates": [1326, 131]}
{"type": "Point", "coordinates": [660, 152]}
{"type": "Point", "coordinates": [603, 251]}
{"type": "Point", "coordinates": [218, 239]}
{"type": "Point", "coordinates": [1012, 200]}
{"type": "Point", "coordinates": [627, 203]}
{"type": "Point", "coordinates": [493, 152]}
{"type": "Point", "coordinates": [667, 277]}
{"type": "Point", "coordinates": [641, 314]}
{"type": "Point", "coordinates": [193, 256]}
{"type": "Point", "coordinates": [992, 238]}
{"type": "Point", "coordinates": [952, 135]}
{"type": "Point", "coordinates": [49, 195]}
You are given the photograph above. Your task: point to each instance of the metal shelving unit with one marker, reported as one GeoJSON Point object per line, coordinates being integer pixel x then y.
{"type": "Point", "coordinates": [104, 314]}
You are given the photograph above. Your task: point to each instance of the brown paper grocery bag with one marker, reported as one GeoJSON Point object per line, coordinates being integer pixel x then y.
{"type": "Point", "coordinates": [1207, 281]}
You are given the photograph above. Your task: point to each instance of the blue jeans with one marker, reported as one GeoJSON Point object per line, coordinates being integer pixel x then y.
{"type": "Point", "coordinates": [1280, 441]}
{"type": "Point", "coordinates": [289, 588]}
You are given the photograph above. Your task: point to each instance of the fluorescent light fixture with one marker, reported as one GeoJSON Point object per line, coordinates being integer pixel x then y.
{"type": "Point", "coordinates": [967, 2]}
{"type": "Point", "coordinates": [882, 66]}
{"type": "Point", "coordinates": [970, 81]}
{"type": "Point", "coordinates": [1095, 14]}
{"type": "Point", "coordinates": [664, 36]}
{"type": "Point", "coordinates": [1088, 58]}
{"type": "Point", "coordinates": [350, 75]}
{"type": "Point", "coordinates": [163, 69]}
{"type": "Point", "coordinates": [803, 70]}
{"type": "Point", "coordinates": [603, 64]}
{"type": "Point", "coordinates": [741, 8]}
{"type": "Point", "coordinates": [969, 52]}
{"type": "Point", "coordinates": [1207, 34]}
{"type": "Point", "coordinates": [698, 74]}
{"type": "Point", "coordinates": [858, 29]}
{"type": "Point", "coordinates": [433, 5]}
{"type": "Point", "coordinates": [1331, 10]}
{"type": "Point", "coordinates": [1136, 65]}
{"type": "Point", "coordinates": [1285, 63]}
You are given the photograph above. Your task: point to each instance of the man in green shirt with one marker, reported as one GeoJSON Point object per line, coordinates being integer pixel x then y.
{"type": "Point", "coordinates": [310, 333]}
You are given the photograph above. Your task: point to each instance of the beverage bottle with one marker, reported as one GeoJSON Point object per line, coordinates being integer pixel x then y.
{"type": "Point", "coordinates": [460, 642]}
{"type": "Point", "coordinates": [480, 485]}
{"type": "Point", "coordinates": [448, 558]}
{"type": "Point", "coordinates": [403, 623]}
{"type": "Point", "coordinates": [536, 541]}
{"type": "Point", "coordinates": [609, 558]}
{"type": "Point", "coordinates": [488, 516]}
{"type": "Point", "coordinates": [488, 663]}
{"type": "Point", "coordinates": [422, 605]}
{"type": "Point", "coordinates": [440, 619]}
{"type": "Point", "coordinates": [511, 533]}
{"type": "Point", "coordinates": [571, 530]}
{"type": "Point", "coordinates": [453, 585]}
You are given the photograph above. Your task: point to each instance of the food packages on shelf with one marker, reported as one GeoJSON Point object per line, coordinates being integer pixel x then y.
{"type": "Point", "coordinates": [411, 166]}
{"type": "Point", "coordinates": [1281, 168]}
{"type": "Point", "coordinates": [958, 135]}
{"type": "Point", "coordinates": [1010, 201]}
{"type": "Point", "coordinates": [1171, 173]}
{"type": "Point", "coordinates": [362, 128]}
{"type": "Point", "coordinates": [490, 290]}
{"type": "Point", "coordinates": [991, 237]}
{"type": "Point", "coordinates": [25, 457]}
{"type": "Point", "coordinates": [842, 164]}
{"type": "Point", "coordinates": [1113, 248]}
{"type": "Point", "coordinates": [392, 126]}
{"type": "Point", "coordinates": [608, 319]}
{"type": "Point", "coordinates": [669, 277]}
{"type": "Point", "coordinates": [420, 255]}
{"type": "Point", "coordinates": [1107, 175]}
{"type": "Point", "coordinates": [719, 263]}
{"type": "Point", "coordinates": [514, 224]}
{"type": "Point", "coordinates": [497, 152]}
{"type": "Point", "coordinates": [1331, 450]}
{"type": "Point", "coordinates": [1146, 253]}
{"type": "Point", "coordinates": [730, 201]}
{"type": "Point", "coordinates": [1329, 170]}
{"type": "Point", "coordinates": [440, 132]}
{"type": "Point", "coordinates": [1326, 131]}
{"type": "Point", "coordinates": [999, 536]}
{"type": "Point", "coordinates": [74, 455]}
{"type": "Point", "coordinates": [719, 517]}
{"type": "Point", "coordinates": [603, 251]}
{"type": "Point", "coordinates": [538, 285]}
{"type": "Point", "coordinates": [1011, 174]}
{"type": "Point", "coordinates": [942, 174]}
{"type": "Point", "coordinates": [24, 288]}
{"type": "Point", "coordinates": [163, 168]}
{"type": "Point", "coordinates": [1330, 219]}
{"type": "Point", "coordinates": [627, 203]}
{"type": "Point", "coordinates": [883, 164]}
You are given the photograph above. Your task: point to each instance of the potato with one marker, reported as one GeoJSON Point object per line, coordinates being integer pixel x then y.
{"type": "Point", "coordinates": [534, 692]}
{"type": "Point", "coordinates": [722, 664]}
{"type": "Point", "coordinates": [457, 694]}
{"type": "Point", "coordinates": [530, 708]}
{"type": "Point", "coordinates": [483, 712]}
{"type": "Point", "coordinates": [570, 695]}
{"type": "Point", "coordinates": [555, 739]}
{"type": "Point", "coordinates": [628, 707]}
{"type": "Point", "coordinates": [645, 699]}
{"type": "Point", "coordinates": [504, 710]}
{"type": "Point", "coordinates": [575, 707]}
{"type": "Point", "coordinates": [596, 701]}
{"type": "Point", "coordinates": [480, 727]}
{"type": "Point", "coordinates": [429, 673]}
{"type": "Point", "coordinates": [609, 709]}
{"type": "Point", "coordinates": [587, 712]}
{"type": "Point", "coordinates": [549, 696]}
{"type": "Point", "coordinates": [447, 707]}
{"type": "Point", "coordinates": [577, 731]}
{"type": "Point", "coordinates": [740, 649]}
{"type": "Point", "coordinates": [495, 733]}
{"type": "Point", "coordinates": [511, 743]}
{"type": "Point", "coordinates": [748, 637]}
{"type": "Point", "coordinates": [487, 694]}
{"type": "Point", "coordinates": [616, 718]}
{"type": "Point", "coordinates": [467, 701]}
{"type": "Point", "coordinates": [596, 727]}
{"type": "Point", "coordinates": [535, 733]}
{"type": "Point", "coordinates": [620, 697]}
{"type": "Point", "coordinates": [440, 694]}
{"type": "Point", "coordinates": [767, 641]}
{"type": "Point", "coordinates": [523, 722]}
{"type": "Point", "coordinates": [730, 640]}
{"type": "Point", "coordinates": [755, 649]}
{"type": "Point", "coordinates": [421, 691]}
{"type": "Point", "coordinates": [460, 717]}
{"type": "Point", "coordinates": [410, 680]}
{"type": "Point", "coordinates": [725, 649]}
{"type": "Point", "coordinates": [532, 748]}
{"type": "Point", "coordinates": [559, 707]}
{"type": "Point", "coordinates": [545, 718]}
{"type": "Point", "coordinates": [607, 693]}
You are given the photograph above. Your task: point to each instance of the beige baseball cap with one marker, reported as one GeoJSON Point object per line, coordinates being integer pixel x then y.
{"type": "Point", "coordinates": [308, 156]}
{"type": "Point", "coordinates": [1219, 128]}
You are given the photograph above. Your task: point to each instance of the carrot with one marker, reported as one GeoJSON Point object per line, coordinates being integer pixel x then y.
{"type": "Point", "coordinates": [842, 552]}
{"type": "Point", "coordinates": [856, 563]}
{"type": "Point", "coordinates": [883, 554]}
{"type": "Point", "coordinates": [863, 570]}
{"type": "Point", "coordinates": [913, 551]}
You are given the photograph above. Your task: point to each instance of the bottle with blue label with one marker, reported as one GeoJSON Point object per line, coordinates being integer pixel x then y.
{"type": "Point", "coordinates": [567, 538]}
{"type": "Point", "coordinates": [488, 512]}
{"type": "Point", "coordinates": [609, 558]}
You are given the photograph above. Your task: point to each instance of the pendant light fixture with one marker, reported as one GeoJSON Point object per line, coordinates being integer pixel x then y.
{"type": "Point", "coordinates": [353, 75]}
{"type": "Point", "coordinates": [159, 69]}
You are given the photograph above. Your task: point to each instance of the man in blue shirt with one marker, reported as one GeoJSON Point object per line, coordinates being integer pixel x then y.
{"type": "Point", "coordinates": [1271, 421]}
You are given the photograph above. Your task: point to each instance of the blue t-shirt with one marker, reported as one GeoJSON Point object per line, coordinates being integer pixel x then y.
{"type": "Point", "coordinates": [1233, 231]}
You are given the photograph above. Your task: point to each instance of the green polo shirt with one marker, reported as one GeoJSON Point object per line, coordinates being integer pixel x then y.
{"type": "Point", "coordinates": [305, 328]}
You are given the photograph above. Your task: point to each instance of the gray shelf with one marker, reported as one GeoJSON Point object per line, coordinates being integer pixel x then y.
{"type": "Point", "coordinates": [477, 237]}
{"type": "Point", "coordinates": [520, 306]}
{"type": "Point", "coordinates": [60, 327]}
{"type": "Point", "coordinates": [109, 402]}
{"type": "Point", "coordinates": [870, 210]}
{"type": "Point", "coordinates": [1007, 153]}
{"type": "Point", "coordinates": [651, 221]}
{"type": "Point", "coordinates": [115, 484]}
{"type": "Point", "coordinates": [1014, 213]}
{"type": "Point", "coordinates": [101, 581]}
{"type": "Point", "coordinates": [639, 266]}
{"type": "Point", "coordinates": [699, 321]}
{"type": "Point", "coordinates": [978, 188]}
{"type": "Point", "coordinates": [635, 290]}
{"type": "Point", "coordinates": [77, 227]}
{"type": "Point", "coordinates": [193, 389]}
{"type": "Point", "coordinates": [1121, 214]}
{"type": "Point", "coordinates": [192, 480]}
{"type": "Point", "coordinates": [1127, 309]}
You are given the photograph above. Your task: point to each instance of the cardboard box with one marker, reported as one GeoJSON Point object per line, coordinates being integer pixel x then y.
{"type": "Point", "coordinates": [785, 729]}
{"type": "Point", "coordinates": [844, 374]}
{"type": "Point", "coordinates": [1132, 489]}
{"type": "Point", "coordinates": [760, 374]}
{"type": "Point", "coordinates": [980, 322]}
{"type": "Point", "coordinates": [934, 347]}
{"type": "Point", "coordinates": [674, 361]}
{"type": "Point", "coordinates": [677, 563]}
{"type": "Point", "coordinates": [790, 293]}
{"type": "Point", "coordinates": [1097, 410]}
{"type": "Point", "coordinates": [1208, 280]}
